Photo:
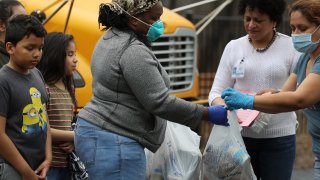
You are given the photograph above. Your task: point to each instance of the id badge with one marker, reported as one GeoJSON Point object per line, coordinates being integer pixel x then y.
{"type": "Point", "coordinates": [238, 70]}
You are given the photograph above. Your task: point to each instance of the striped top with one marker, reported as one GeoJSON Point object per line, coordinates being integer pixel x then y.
{"type": "Point", "coordinates": [60, 110]}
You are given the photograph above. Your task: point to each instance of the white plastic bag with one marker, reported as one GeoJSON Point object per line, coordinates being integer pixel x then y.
{"type": "Point", "coordinates": [261, 122]}
{"type": "Point", "coordinates": [179, 156]}
{"type": "Point", "coordinates": [225, 156]}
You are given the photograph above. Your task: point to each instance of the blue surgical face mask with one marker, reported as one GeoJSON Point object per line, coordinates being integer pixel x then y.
{"type": "Point", "coordinates": [303, 42]}
{"type": "Point", "coordinates": [155, 31]}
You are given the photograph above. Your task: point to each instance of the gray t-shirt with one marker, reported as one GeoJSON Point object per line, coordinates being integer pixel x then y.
{"type": "Point", "coordinates": [22, 102]}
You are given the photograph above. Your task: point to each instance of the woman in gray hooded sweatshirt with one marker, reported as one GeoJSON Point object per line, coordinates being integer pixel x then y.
{"type": "Point", "coordinates": [130, 95]}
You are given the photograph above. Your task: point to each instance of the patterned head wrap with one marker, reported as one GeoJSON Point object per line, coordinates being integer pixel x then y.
{"type": "Point", "coordinates": [133, 7]}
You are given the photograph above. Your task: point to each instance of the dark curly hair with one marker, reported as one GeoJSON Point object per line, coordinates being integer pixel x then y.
{"type": "Point", "coordinates": [109, 18]}
{"type": "Point", "coordinates": [273, 8]}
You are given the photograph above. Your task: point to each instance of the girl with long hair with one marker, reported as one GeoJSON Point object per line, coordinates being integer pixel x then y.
{"type": "Point", "coordinates": [57, 65]}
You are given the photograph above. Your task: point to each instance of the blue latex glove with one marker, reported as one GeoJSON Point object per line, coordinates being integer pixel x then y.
{"type": "Point", "coordinates": [237, 100]}
{"type": "Point", "coordinates": [218, 115]}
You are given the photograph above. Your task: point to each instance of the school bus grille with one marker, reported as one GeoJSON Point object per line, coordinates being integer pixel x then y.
{"type": "Point", "coordinates": [177, 54]}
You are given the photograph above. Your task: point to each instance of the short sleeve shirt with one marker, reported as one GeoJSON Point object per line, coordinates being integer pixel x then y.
{"type": "Point", "coordinates": [60, 112]}
{"type": "Point", "coordinates": [23, 103]}
{"type": "Point", "coordinates": [312, 113]}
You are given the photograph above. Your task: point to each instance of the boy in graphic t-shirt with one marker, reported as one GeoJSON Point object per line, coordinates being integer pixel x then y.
{"type": "Point", "coordinates": [25, 151]}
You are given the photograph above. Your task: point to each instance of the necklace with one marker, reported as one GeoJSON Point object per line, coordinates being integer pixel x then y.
{"type": "Point", "coordinates": [261, 50]}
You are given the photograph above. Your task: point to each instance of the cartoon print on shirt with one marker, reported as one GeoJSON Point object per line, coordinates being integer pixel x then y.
{"type": "Point", "coordinates": [34, 115]}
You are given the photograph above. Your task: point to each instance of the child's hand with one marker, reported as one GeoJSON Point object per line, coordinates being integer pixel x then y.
{"type": "Point", "coordinates": [30, 177]}
{"type": "Point", "coordinates": [29, 174]}
{"type": "Point", "coordinates": [67, 147]}
{"type": "Point", "coordinates": [42, 170]}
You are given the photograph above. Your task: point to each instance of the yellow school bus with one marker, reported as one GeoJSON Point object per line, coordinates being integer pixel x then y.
{"type": "Point", "coordinates": [176, 49]}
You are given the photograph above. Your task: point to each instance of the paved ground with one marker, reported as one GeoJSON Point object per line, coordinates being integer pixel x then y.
{"type": "Point", "coordinates": [299, 174]}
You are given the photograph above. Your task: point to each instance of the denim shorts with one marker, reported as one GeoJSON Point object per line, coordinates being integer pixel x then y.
{"type": "Point", "coordinates": [7, 172]}
{"type": "Point", "coordinates": [108, 155]}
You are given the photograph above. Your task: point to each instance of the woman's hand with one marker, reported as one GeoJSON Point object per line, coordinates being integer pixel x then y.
{"type": "Point", "coordinates": [268, 90]}
{"type": "Point", "coordinates": [218, 115]}
{"type": "Point", "coordinates": [237, 100]}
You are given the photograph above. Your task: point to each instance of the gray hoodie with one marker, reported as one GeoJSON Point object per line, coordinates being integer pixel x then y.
{"type": "Point", "coordinates": [131, 92]}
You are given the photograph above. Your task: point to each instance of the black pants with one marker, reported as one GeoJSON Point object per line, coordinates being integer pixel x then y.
{"type": "Point", "coordinates": [272, 158]}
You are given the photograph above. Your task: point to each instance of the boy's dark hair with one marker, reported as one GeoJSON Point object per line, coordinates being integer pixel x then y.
{"type": "Point", "coordinates": [273, 8]}
{"type": "Point", "coordinates": [6, 9]}
{"type": "Point", "coordinates": [21, 26]}
{"type": "Point", "coordinates": [52, 63]}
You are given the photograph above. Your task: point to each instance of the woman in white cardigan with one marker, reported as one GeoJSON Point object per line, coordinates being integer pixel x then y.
{"type": "Point", "coordinates": [261, 59]}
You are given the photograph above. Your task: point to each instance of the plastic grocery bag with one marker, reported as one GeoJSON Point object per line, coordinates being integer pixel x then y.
{"type": "Point", "coordinates": [225, 156]}
{"type": "Point", "coordinates": [179, 156]}
{"type": "Point", "coordinates": [261, 122]}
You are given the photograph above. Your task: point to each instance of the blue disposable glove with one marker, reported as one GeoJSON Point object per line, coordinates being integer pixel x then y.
{"type": "Point", "coordinates": [218, 115]}
{"type": "Point", "coordinates": [237, 100]}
